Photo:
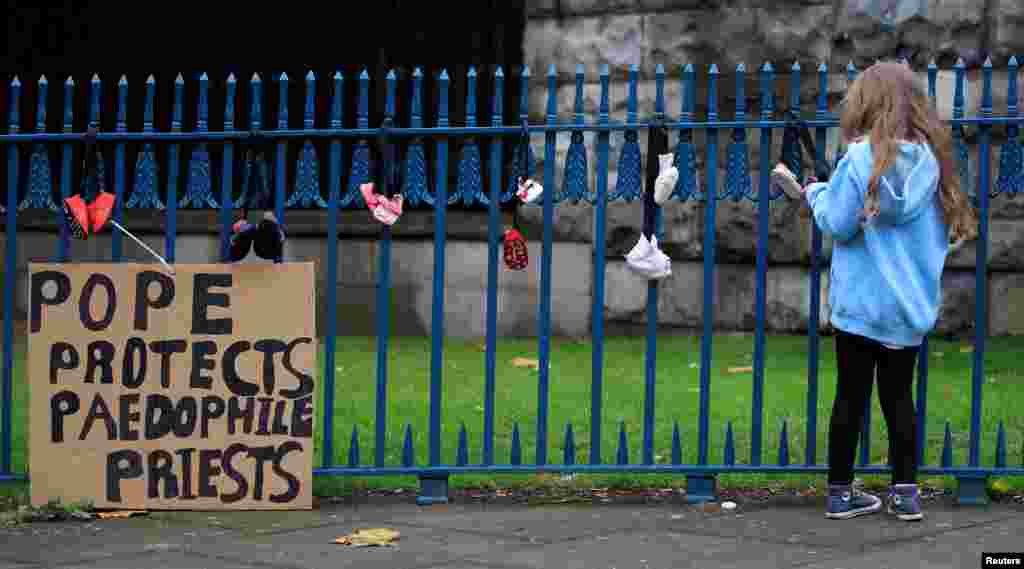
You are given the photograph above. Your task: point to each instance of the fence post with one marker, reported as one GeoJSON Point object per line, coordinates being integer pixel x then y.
{"type": "Point", "coordinates": [11, 260]}
{"type": "Point", "coordinates": [434, 486]}
{"type": "Point", "coordinates": [67, 151]}
{"type": "Point", "coordinates": [388, 156]}
{"type": "Point", "coordinates": [971, 487]}
{"type": "Point", "coordinates": [547, 250]}
{"type": "Point", "coordinates": [597, 300]}
{"type": "Point", "coordinates": [761, 270]}
{"type": "Point", "coordinates": [171, 235]}
{"type": "Point", "coordinates": [331, 337]}
{"type": "Point", "coordinates": [703, 487]}
{"type": "Point", "coordinates": [227, 172]}
{"type": "Point", "coordinates": [491, 309]}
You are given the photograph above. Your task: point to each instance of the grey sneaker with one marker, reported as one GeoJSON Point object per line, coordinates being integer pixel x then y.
{"type": "Point", "coordinates": [844, 502]}
{"type": "Point", "coordinates": [905, 502]}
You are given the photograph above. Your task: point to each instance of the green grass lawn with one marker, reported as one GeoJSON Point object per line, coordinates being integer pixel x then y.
{"type": "Point", "coordinates": [785, 399]}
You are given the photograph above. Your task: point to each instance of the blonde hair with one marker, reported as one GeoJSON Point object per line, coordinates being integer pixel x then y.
{"type": "Point", "coordinates": [888, 103]}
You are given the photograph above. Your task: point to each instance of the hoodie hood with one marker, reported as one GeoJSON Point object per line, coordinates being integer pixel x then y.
{"type": "Point", "coordinates": [909, 187]}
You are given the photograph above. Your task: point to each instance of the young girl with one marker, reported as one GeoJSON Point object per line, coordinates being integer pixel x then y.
{"type": "Point", "coordinates": [892, 206]}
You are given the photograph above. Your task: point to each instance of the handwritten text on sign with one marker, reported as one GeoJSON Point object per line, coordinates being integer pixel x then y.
{"type": "Point", "coordinates": [193, 391]}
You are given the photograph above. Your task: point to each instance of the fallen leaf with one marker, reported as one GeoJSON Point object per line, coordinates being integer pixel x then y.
{"type": "Point", "coordinates": [526, 362]}
{"type": "Point", "coordinates": [744, 369]}
{"type": "Point", "coordinates": [120, 514]}
{"type": "Point", "coordinates": [938, 354]}
{"type": "Point", "coordinates": [369, 537]}
{"type": "Point", "coordinates": [966, 349]}
{"type": "Point", "coordinates": [948, 392]}
{"type": "Point", "coordinates": [1001, 486]}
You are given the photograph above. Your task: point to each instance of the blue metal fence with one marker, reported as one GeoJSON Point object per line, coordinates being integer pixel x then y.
{"type": "Point", "coordinates": [199, 194]}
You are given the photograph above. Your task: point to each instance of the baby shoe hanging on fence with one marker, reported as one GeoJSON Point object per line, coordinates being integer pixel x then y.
{"type": "Point", "coordinates": [76, 216]}
{"type": "Point", "coordinates": [267, 238]}
{"type": "Point", "coordinates": [668, 175]}
{"type": "Point", "coordinates": [516, 256]}
{"type": "Point", "coordinates": [242, 235]}
{"type": "Point", "coordinates": [269, 241]}
{"type": "Point", "coordinates": [529, 191]}
{"type": "Point", "coordinates": [385, 210]}
{"type": "Point", "coordinates": [83, 218]}
{"type": "Point", "coordinates": [384, 207]}
{"type": "Point", "coordinates": [515, 251]}
{"type": "Point", "coordinates": [797, 140]}
{"type": "Point", "coordinates": [647, 260]}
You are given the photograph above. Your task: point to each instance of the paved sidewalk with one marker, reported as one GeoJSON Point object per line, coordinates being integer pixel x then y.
{"type": "Point", "coordinates": [782, 532]}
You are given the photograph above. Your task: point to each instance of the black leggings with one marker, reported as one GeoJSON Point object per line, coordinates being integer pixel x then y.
{"type": "Point", "coordinates": [858, 360]}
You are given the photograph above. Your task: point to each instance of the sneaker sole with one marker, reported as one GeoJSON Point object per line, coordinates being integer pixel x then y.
{"type": "Point", "coordinates": [906, 517]}
{"type": "Point", "coordinates": [853, 513]}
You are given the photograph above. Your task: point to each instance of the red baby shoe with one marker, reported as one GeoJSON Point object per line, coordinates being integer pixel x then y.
{"type": "Point", "coordinates": [100, 210]}
{"type": "Point", "coordinates": [76, 215]}
{"type": "Point", "coordinates": [516, 256]}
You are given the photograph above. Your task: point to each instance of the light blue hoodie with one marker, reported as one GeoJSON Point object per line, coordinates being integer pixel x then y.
{"type": "Point", "coordinates": [885, 281]}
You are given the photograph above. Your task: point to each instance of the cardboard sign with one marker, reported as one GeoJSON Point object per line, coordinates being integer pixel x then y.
{"type": "Point", "coordinates": [194, 391]}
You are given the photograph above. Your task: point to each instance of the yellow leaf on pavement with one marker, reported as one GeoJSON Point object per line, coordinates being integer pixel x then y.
{"type": "Point", "coordinates": [369, 537]}
{"type": "Point", "coordinates": [120, 514]}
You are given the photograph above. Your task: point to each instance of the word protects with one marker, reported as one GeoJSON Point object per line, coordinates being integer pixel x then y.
{"type": "Point", "coordinates": [193, 391]}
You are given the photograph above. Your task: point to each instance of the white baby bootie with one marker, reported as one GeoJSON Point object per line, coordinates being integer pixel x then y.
{"type": "Point", "coordinates": [647, 260]}
{"type": "Point", "coordinates": [529, 191]}
{"type": "Point", "coordinates": [640, 250]}
{"type": "Point", "coordinates": [668, 175]}
{"type": "Point", "coordinates": [662, 262]}
{"type": "Point", "coordinates": [784, 179]}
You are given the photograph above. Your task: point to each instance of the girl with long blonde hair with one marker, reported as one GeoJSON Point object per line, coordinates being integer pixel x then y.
{"type": "Point", "coordinates": [892, 206]}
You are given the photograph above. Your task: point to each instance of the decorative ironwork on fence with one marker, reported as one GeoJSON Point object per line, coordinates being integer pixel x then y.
{"type": "Point", "coordinates": [498, 188]}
